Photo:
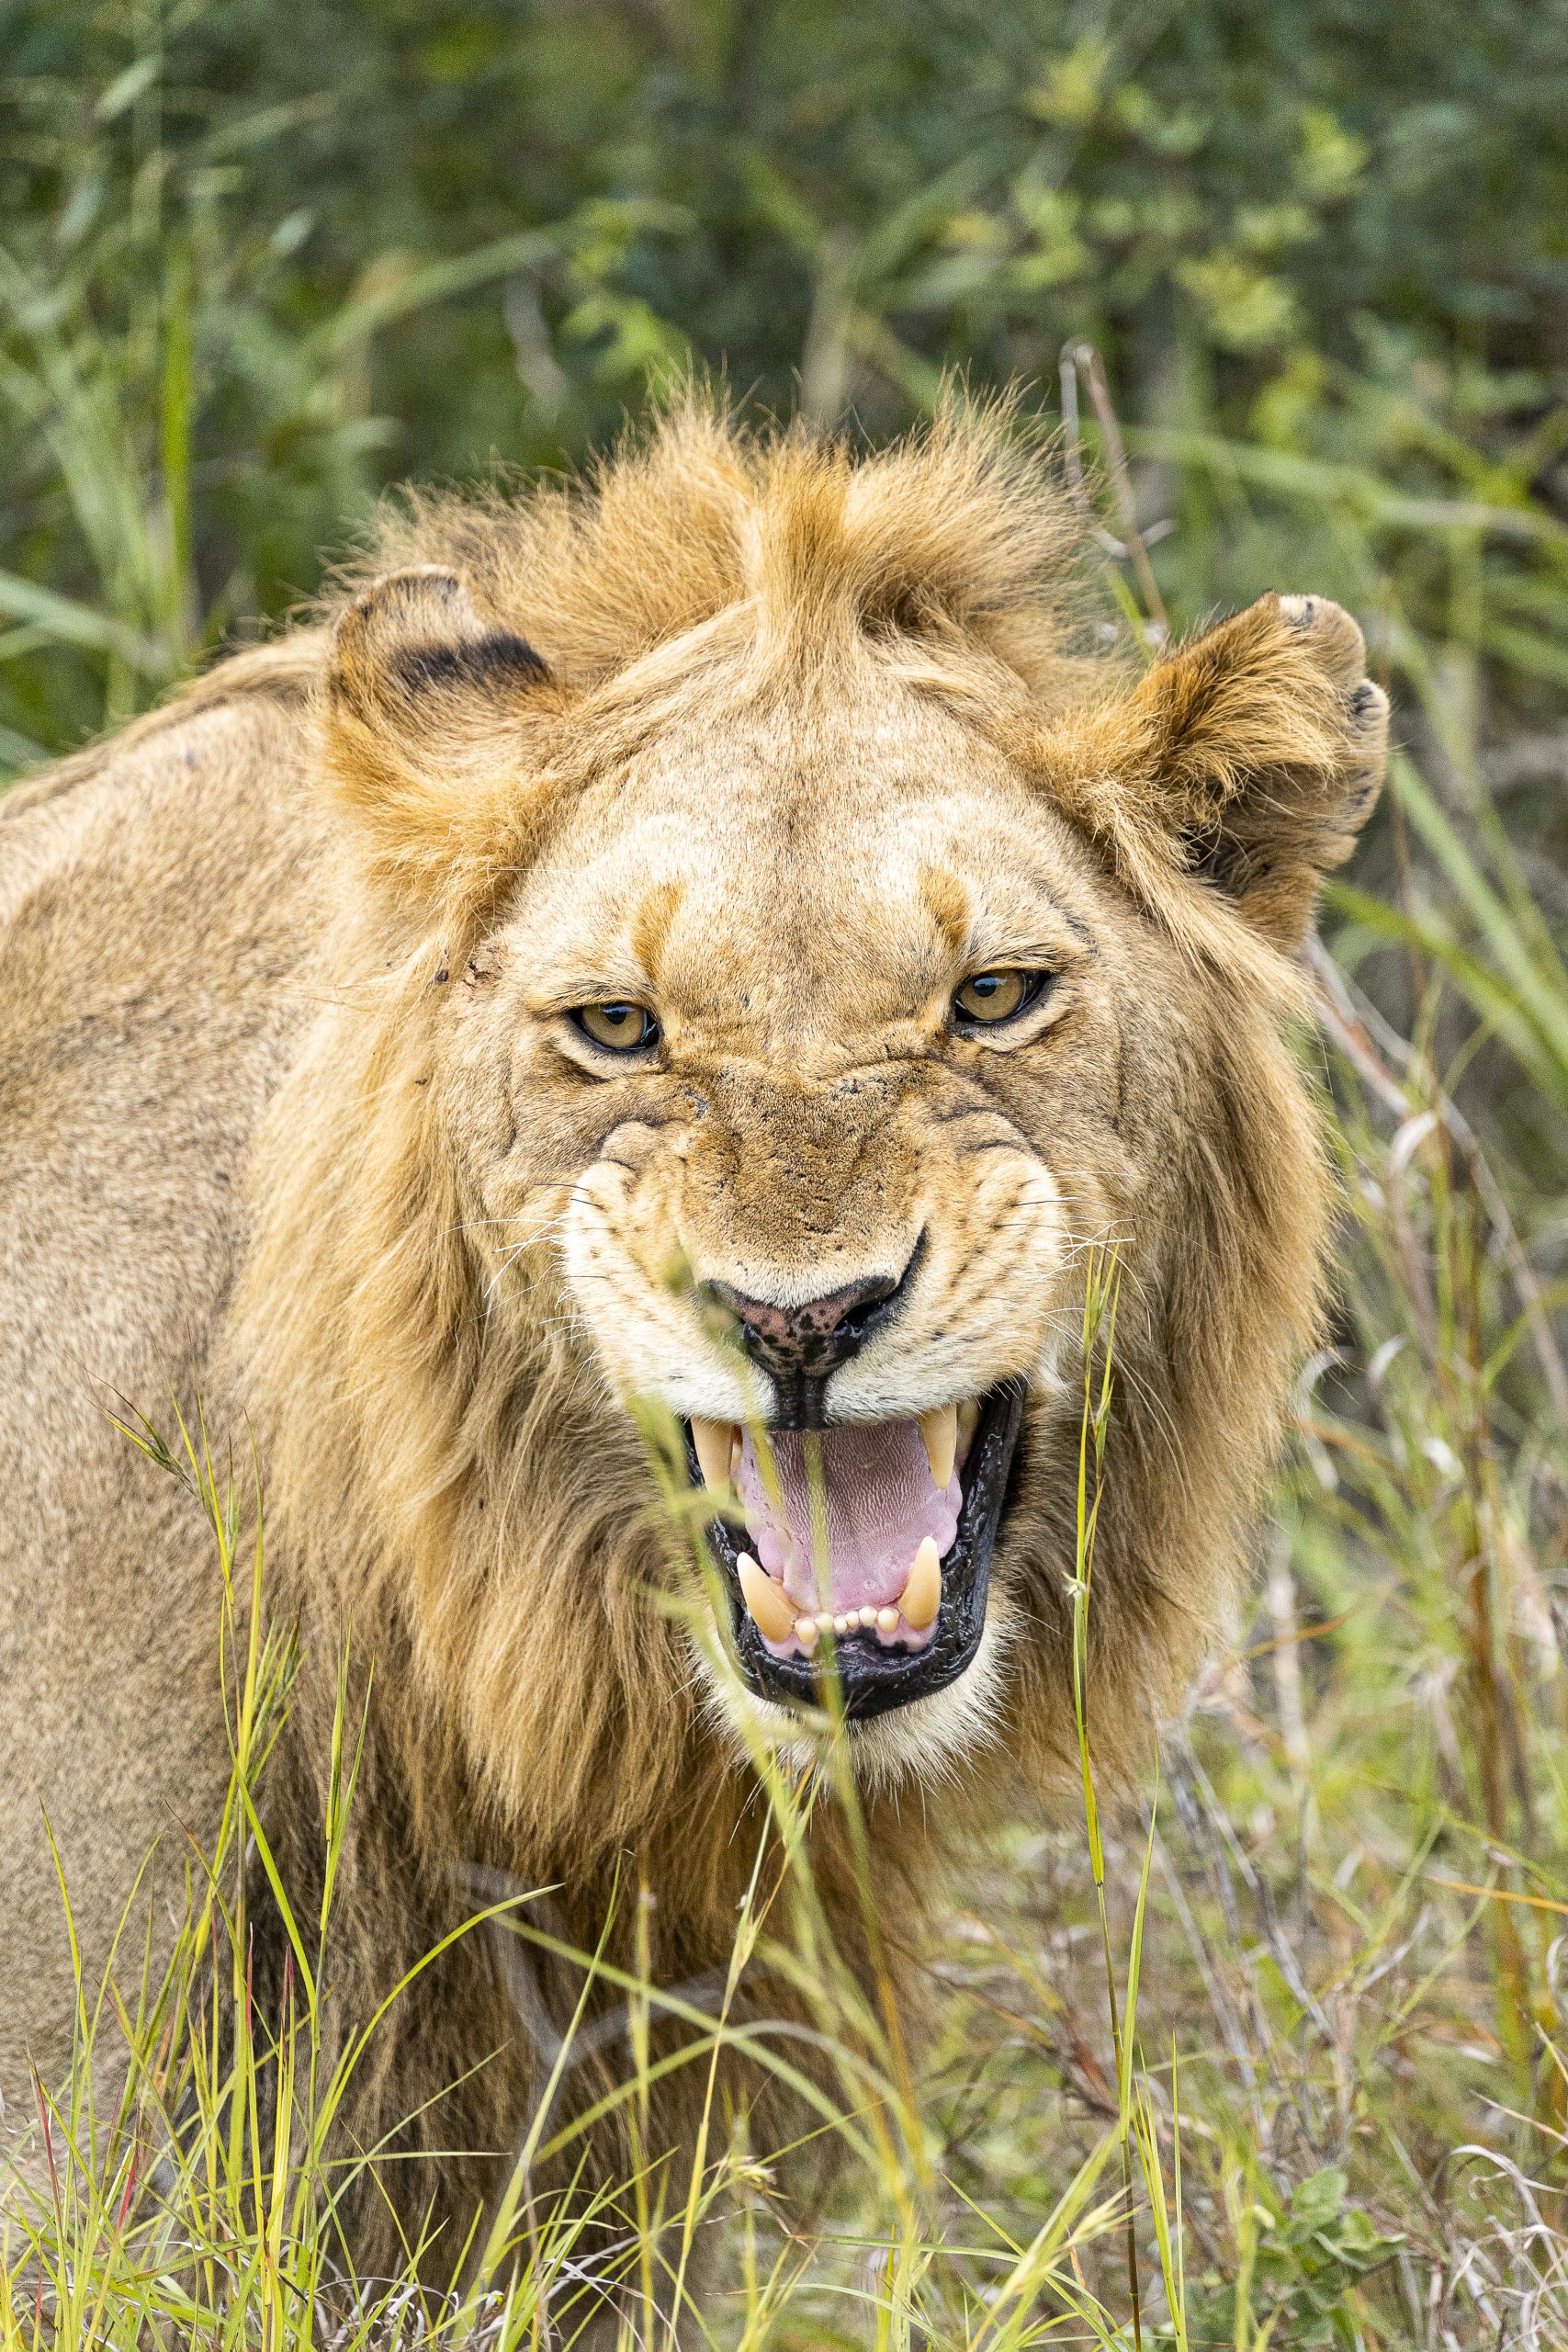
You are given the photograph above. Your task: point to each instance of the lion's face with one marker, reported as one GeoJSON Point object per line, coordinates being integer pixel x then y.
{"type": "Point", "coordinates": [817, 987]}
{"type": "Point", "coordinates": [811, 1030]}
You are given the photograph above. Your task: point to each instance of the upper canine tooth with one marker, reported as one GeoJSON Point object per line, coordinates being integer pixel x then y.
{"type": "Point", "coordinates": [922, 1596]}
{"type": "Point", "coordinates": [714, 1441]}
{"type": "Point", "coordinates": [940, 1430]}
{"type": "Point", "coordinates": [767, 1602]}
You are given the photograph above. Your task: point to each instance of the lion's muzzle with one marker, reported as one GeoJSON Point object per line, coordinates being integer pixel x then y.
{"type": "Point", "coordinates": [798, 1346]}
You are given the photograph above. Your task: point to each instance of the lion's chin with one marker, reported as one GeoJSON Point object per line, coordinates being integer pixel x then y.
{"type": "Point", "coordinates": [925, 1742]}
{"type": "Point", "coordinates": [857, 1583]}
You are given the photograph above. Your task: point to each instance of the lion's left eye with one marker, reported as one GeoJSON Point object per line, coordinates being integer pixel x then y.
{"type": "Point", "coordinates": [619, 1027]}
{"type": "Point", "coordinates": [987, 998]}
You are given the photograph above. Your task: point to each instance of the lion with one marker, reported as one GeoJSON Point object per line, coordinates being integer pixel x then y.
{"type": "Point", "coordinates": [725, 940]}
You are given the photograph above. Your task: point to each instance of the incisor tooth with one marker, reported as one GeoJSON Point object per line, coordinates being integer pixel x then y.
{"type": "Point", "coordinates": [940, 1430]}
{"type": "Point", "coordinates": [714, 1441]}
{"type": "Point", "coordinates": [867, 1616]}
{"type": "Point", "coordinates": [770, 1608]}
{"type": "Point", "coordinates": [805, 1631]}
{"type": "Point", "coordinates": [887, 1620]}
{"type": "Point", "coordinates": [922, 1596]}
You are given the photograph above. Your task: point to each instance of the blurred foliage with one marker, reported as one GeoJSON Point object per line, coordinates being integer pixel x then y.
{"type": "Point", "coordinates": [255, 265]}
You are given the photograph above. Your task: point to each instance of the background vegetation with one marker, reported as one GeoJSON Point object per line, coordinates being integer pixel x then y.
{"type": "Point", "coordinates": [257, 263]}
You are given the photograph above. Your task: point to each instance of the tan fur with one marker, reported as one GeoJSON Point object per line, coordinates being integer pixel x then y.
{"type": "Point", "coordinates": [783, 742]}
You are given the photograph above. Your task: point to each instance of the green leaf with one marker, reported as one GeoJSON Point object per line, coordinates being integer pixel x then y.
{"type": "Point", "coordinates": [126, 88]}
{"type": "Point", "coordinates": [71, 623]}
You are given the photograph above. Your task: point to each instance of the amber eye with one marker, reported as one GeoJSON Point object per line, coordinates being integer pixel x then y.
{"type": "Point", "coordinates": [619, 1027]}
{"type": "Point", "coordinates": [988, 998]}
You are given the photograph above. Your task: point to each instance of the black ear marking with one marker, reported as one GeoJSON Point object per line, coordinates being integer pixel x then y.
{"type": "Point", "coordinates": [496, 659]}
{"type": "Point", "coordinates": [436, 715]}
{"type": "Point", "coordinates": [415, 639]}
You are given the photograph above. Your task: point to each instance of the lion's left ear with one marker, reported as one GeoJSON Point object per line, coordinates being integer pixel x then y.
{"type": "Point", "coordinates": [1250, 759]}
{"type": "Point", "coordinates": [431, 725]}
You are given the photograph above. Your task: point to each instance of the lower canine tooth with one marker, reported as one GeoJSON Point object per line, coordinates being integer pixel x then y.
{"type": "Point", "coordinates": [714, 1441]}
{"type": "Point", "coordinates": [922, 1596]}
{"type": "Point", "coordinates": [771, 1612]}
{"type": "Point", "coordinates": [940, 1430]}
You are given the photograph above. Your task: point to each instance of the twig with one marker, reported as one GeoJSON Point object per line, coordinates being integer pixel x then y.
{"type": "Point", "coordinates": [1133, 545]}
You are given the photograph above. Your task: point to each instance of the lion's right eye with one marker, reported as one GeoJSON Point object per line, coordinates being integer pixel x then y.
{"type": "Point", "coordinates": [619, 1027]}
{"type": "Point", "coordinates": [988, 998]}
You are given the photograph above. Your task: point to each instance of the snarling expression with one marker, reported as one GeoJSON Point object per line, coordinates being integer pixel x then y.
{"type": "Point", "coordinates": [824, 1041]}
{"type": "Point", "coordinates": [833, 964]}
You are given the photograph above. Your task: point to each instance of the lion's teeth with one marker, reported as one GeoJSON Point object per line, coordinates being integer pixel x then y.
{"type": "Point", "coordinates": [770, 1608]}
{"type": "Point", "coordinates": [715, 1444]}
{"type": "Point", "coordinates": [922, 1596]}
{"type": "Point", "coordinates": [805, 1631]}
{"type": "Point", "coordinates": [887, 1620]}
{"type": "Point", "coordinates": [940, 1430]}
{"type": "Point", "coordinates": [968, 1422]}
{"type": "Point", "coordinates": [868, 1616]}
{"type": "Point", "coordinates": [843, 1621]}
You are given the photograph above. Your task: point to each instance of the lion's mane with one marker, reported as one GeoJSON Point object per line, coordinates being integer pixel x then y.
{"type": "Point", "coordinates": [444, 1491]}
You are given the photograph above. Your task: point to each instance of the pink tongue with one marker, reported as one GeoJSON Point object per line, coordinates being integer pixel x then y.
{"type": "Point", "coordinates": [880, 1502]}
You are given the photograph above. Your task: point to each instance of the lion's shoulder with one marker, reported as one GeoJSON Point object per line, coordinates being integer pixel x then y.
{"type": "Point", "coordinates": [216, 771]}
{"type": "Point", "coordinates": [162, 907]}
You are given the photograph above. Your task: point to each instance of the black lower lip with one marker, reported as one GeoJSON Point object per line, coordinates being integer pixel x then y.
{"type": "Point", "coordinates": [874, 1677]}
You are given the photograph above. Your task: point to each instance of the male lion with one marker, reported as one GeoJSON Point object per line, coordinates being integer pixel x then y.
{"type": "Point", "coordinates": [707, 939]}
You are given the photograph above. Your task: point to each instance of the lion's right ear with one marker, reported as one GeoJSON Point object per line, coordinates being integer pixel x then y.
{"type": "Point", "coordinates": [1237, 773]}
{"type": "Point", "coordinates": [431, 724]}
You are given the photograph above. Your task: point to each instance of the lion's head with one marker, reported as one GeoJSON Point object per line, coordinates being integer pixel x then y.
{"type": "Point", "coordinates": [798, 959]}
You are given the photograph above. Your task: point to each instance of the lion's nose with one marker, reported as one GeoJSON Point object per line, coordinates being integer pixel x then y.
{"type": "Point", "coordinates": [810, 1338]}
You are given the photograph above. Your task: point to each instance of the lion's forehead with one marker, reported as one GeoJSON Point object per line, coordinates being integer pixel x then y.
{"type": "Point", "coordinates": [720, 868]}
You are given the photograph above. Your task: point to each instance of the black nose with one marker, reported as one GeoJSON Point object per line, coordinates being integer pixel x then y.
{"type": "Point", "coordinates": [803, 1344]}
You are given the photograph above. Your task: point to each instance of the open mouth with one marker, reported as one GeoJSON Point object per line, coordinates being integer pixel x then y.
{"type": "Point", "coordinates": [864, 1543]}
